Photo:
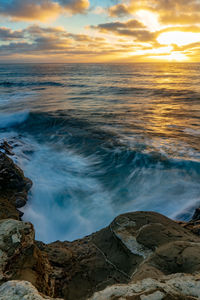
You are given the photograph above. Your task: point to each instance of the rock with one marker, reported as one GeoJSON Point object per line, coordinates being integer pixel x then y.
{"type": "Point", "coordinates": [20, 290]}
{"type": "Point", "coordinates": [194, 224]}
{"type": "Point", "coordinates": [6, 148]}
{"type": "Point", "coordinates": [20, 258]}
{"type": "Point", "coordinates": [135, 246]}
{"type": "Point", "coordinates": [13, 186]}
{"type": "Point", "coordinates": [20, 202]}
{"type": "Point", "coordinates": [196, 215]}
{"type": "Point", "coordinates": [20, 213]}
{"type": "Point", "coordinates": [11, 176]}
{"type": "Point", "coordinates": [141, 250]}
{"type": "Point", "coordinates": [14, 236]}
{"type": "Point", "coordinates": [173, 287]}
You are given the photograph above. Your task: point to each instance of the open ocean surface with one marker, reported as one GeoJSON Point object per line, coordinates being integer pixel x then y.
{"type": "Point", "coordinates": [98, 140]}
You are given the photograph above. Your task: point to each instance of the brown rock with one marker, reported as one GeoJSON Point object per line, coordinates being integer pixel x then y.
{"type": "Point", "coordinates": [6, 148]}
{"type": "Point", "coordinates": [20, 258]}
{"type": "Point", "coordinates": [196, 215]}
{"type": "Point", "coordinates": [13, 188]}
{"type": "Point", "coordinates": [135, 246]}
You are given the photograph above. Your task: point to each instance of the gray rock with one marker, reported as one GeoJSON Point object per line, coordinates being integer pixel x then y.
{"type": "Point", "coordinates": [20, 290]}
{"type": "Point", "coordinates": [20, 202]}
{"type": "Point", "coordinates": [176, 287]}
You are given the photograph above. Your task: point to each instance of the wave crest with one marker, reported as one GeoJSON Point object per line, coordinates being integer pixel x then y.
{"type": "Point", "coordinates": [8, 120]}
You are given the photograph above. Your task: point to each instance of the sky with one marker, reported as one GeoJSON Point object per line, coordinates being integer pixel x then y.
{"type": "Point", "coordinates": [88, 31]}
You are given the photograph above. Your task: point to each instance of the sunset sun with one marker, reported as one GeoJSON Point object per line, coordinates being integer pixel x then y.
{"type": "Point", "coordinates": [81, 31]}
{"type": "Point", "coordinates": [179, 38]}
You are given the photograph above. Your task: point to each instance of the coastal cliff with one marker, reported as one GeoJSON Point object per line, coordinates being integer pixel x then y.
{"type": "Point", "coordinates": [140, 255]}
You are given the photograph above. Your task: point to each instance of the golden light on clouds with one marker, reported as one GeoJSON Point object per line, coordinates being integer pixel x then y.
{"type": "Point", "coordinates": [129, 31]}
{"type": "Point", "coordinates": [172, 57]}
{"type": "Point", "coordinates": [149, 19]}
{"type": "Point", "coordinates": [179, 38]}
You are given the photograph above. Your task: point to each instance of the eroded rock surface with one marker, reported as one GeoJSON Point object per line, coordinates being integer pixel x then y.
{"type": "Point", "coordinates": [135, 246]}
{"type": "Point", "coordinates": [20, 290]}
{"type": "Point", "coordinates": [20, 258]}
{"type": "Point", "coordinates": [173, 287]}
{"type": "Point", "coordinates": [14, 187]}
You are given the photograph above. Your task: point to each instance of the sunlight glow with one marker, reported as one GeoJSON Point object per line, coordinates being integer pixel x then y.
{"type": "Point", "coordinates": [174, 56]}
{"type": "Point", "coordinates": [162, 50]}
{"type": "Point", "coordinates": [149, 19]}
{"type": "Point", "coordinates": [179, 38]}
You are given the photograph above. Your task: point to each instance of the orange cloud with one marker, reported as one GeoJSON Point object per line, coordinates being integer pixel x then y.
{"type": "Point", "coordinates": [170, 11]}
{"type": "Point", "coordinates": [42, 10]}
{"type": "Point", "coordinates": [75, 6]}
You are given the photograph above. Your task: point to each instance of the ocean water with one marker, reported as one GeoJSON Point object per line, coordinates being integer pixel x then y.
{"type": "Point", "coordinates": [98, 140]}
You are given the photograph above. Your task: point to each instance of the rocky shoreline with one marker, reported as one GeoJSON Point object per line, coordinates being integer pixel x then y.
{"type": "Point", "coordinates": [140, 255]}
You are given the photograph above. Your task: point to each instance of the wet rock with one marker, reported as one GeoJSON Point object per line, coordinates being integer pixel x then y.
{"type": "Point", "coordinates": [11, 176]}
{"type": "Point", "coordinates": [7, 148]}
{"type": "Point", "coordinates": [20, 290]}
{"type": "Point", "coordinates": [20, 202]}
{"type": "Point", "coordinates": [20, 213]}
{"type": "Point", "coordinates": [193, 225]}
{"type": "Point", "coordinates": [196, 215]}
{"type": "Point", "coordinates": [13, 186]}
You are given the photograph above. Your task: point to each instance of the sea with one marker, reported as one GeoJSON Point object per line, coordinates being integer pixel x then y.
{"type": "Point", "coordinates": [99, 140]}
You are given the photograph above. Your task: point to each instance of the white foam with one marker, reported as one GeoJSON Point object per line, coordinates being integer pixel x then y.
{"type": "Point", "coordinates": [66, 202]}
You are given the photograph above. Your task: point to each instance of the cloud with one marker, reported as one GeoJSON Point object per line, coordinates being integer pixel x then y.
{"type": "Point", "coordinates": [131, 28]}
{"type": "Point", "coordinates": [8, 34]}
{"type": "Point", "coordinates": [130, 24]}
{"type": "Point", "coordinates": [75, 6]}
{"type": "Point", "coordinates": [121, 40]}
{"type": "Point", "coordinates": [119, 10]}
{"type": "Point", "coordinates": [42, 10]}
{"type": "Point", "coordinates": [36, 40]}
{"type": "Point", "coordinates": [99, 10]}
{"type": "Point", "coordinates": [170, 11]}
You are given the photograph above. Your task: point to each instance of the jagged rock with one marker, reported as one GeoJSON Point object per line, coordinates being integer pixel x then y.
{"type": "Point", "coordinates": [135, 246]}
{"type": "Point", "coordinates": [173, 287]}
{"type": "Point", "coordinates": [11, 176]}
{"type": "Point", "coordinates": [14, 236]}
{"type": "Point", "coordinates": [20, 258]}
{"type": "Point", "coordinates": [7, 148]}
{"type": "Point", "coordinates": [196, 215]}
{"type": "Point", "coordinates": [20, 202]}
{"type": "Point", "coordinates": [193, 226]}
{"type": "Point", "coordinates": [13, 186]}
{"type": "Point", "coordinates": [20, 290]}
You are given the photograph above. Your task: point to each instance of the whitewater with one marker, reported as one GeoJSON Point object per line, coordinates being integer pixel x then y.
{"type": "Point", "coordinates": [98, 140]}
